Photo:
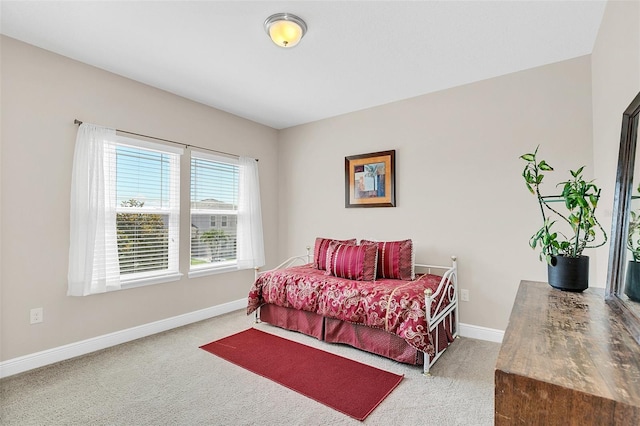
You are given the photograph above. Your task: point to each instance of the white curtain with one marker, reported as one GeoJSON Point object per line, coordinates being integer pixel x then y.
{"type": "Point", "coordinates": [93, 250]}
{"type": "Point", "coordinates": [250, 240]}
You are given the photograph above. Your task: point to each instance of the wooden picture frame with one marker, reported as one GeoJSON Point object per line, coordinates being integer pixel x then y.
{"type": "Point", "coordinates": [369, 180]}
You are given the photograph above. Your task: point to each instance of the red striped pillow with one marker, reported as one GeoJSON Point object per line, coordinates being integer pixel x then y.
{"type": "Point", "coordinates": [352, 262]}
{"type": "Point", "coordinates": [395, 259]}
{"type": "Point", "coordinates": [320, 251]}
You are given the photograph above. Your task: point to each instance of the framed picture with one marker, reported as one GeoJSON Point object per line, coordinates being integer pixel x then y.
{"type": "Point", "coordinates": [369, 180]}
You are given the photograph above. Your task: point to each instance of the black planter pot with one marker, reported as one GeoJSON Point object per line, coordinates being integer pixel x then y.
{"type": "Point", "coordinates": [632, 281]}
{"type": "Point", "coordinates": [569, 273]}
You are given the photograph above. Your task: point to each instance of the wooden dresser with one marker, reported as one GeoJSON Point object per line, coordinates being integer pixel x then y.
{"type": "Point", "coordinates": [566, 359]}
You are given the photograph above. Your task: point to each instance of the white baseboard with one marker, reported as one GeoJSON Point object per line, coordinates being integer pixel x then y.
{"type": "Point", "coordinates": [482, 333]}
{"type": "Point", "coordinates": [72, 350]}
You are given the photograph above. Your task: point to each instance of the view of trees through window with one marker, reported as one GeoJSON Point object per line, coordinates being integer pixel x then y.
{"type": "Point", "coordinates": [143, 240]}
{"type": "Point", "coordinates": [213, 245]}
{"type": "Point", "coordinates": [212, 240]}
{"type": "Point", "coordinates": [147, 209]}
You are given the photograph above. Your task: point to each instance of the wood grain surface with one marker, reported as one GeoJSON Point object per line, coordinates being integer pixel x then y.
{"type": "Point", "coordinates": [566, 359]}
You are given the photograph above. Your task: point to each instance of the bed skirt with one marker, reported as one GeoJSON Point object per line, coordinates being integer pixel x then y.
{"type": "Point", "coordinates": [369, 339]}
{"type": "Point", "coordinates": [372, 340]}
{"type": "Point", "coordinates": [305, 322]}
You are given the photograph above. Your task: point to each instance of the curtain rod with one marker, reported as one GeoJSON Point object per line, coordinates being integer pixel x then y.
{"type": "Point", "coordinates": [78, 122]}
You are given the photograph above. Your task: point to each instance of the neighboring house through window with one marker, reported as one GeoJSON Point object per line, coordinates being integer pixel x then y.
{"type": "Point", "coordinates": [214, 201]}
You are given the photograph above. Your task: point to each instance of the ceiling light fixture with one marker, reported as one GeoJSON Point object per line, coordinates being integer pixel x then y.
{"type": "Point", "coordinates": [285, 29]}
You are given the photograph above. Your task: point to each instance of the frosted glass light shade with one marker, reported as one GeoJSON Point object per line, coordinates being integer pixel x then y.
{"type": "Point", "coordinates": [285, 29]}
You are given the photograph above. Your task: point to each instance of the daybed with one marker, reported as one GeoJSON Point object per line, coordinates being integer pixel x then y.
{"type": "Point", "coordinates": [378, 305]}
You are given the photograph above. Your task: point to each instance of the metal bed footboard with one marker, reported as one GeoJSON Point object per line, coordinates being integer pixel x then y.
{"type": "Point", "coordinates": [447, 297]}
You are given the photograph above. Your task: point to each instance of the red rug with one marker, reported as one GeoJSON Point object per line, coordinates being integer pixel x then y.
{"type": "Point", "coordinates": [350, 387]}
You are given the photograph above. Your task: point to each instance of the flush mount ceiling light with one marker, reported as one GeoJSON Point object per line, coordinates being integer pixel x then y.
{"type": "Point", "coordinates": [285, 29]}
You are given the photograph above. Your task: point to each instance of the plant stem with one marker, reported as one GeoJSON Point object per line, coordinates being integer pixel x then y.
{"type": "Point", "coordinates": [540, 202]}
{"type": "Point", "coordinates": [578, 234]}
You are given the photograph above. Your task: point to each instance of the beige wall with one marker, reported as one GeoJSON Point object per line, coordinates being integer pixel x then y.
{"type": "Point", "coordinates": [615, 64]}
{"type": "Point", "coordinates": [42, 93]}
{"type": "Point", "coordinates": [458, 178]}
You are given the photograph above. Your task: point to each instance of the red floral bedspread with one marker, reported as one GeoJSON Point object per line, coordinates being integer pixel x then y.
{"type": "Point", "coordinates": [392, 305]}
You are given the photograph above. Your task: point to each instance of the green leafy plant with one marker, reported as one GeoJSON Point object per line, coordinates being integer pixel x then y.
{"type": "Point", "coordinates": [215, 239]}
{"type": "Point", "coordinates": [580, 200]}
{"type": "Point", "coordinates": [633, 235]}
{"type": "Point", "coordinates": [143, 240]}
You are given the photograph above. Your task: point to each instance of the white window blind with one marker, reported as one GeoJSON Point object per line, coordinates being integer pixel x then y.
{"type": "Point", "coordinates": [147, 210]}
{"type": "Point", "coordinates": [214, 211]}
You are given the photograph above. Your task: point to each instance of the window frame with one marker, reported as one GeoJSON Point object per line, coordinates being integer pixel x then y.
{"type": "Point", "coordinates": [172, 273]}
{"type": "Point", "coordinates": [223, 266]}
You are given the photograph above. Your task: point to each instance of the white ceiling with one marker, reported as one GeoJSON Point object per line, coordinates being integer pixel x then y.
{"type": "Point", "coordinates": [356, 54]}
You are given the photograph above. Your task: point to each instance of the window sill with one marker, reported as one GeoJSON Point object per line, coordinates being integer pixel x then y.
{"type": "Point", "coordinates": [202, 272]}
{"type": "Point", "coordinates": [141, 282]}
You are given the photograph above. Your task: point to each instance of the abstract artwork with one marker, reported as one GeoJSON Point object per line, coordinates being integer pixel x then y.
{"type": "Point", "coordinates": [370, 180]}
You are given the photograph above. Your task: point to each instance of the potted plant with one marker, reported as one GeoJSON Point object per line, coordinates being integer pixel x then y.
{"type": "Point", "coordinates": [632, 279]}
{"type": "Point", "coordinates": [568, 268]}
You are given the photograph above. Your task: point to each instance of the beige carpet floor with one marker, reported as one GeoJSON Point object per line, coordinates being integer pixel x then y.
{"type": "Point", "coordinates": [166, 379]}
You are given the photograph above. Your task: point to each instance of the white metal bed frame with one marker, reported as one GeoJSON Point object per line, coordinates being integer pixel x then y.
{"type": "Point", "coordinates": [448, 311]}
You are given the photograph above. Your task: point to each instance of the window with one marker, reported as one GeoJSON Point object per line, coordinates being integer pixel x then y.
{"type": "Point", "coordinates": [147, 210]}
{"type": "Point", "coordinates": [214, 193]}
{"type": "Point", "coordinates": [125, 213]}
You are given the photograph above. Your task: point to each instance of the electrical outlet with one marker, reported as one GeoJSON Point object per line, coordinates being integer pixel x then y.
{"type": "Point", "coordinates": [36, 315]}
{"type": "Point", "coordinates": [464, 295]}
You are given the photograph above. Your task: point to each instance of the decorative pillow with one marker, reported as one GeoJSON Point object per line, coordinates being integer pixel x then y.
{"type": "Point", "coordinates": [320, 251]}
{"type": "Point", "coordinates": [352, 262]}
{"type": "Point", "coordinates": [395, 259]}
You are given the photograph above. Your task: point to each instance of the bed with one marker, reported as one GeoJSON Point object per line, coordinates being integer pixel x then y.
{"type": "Point", "coordinates": [409, 317]}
